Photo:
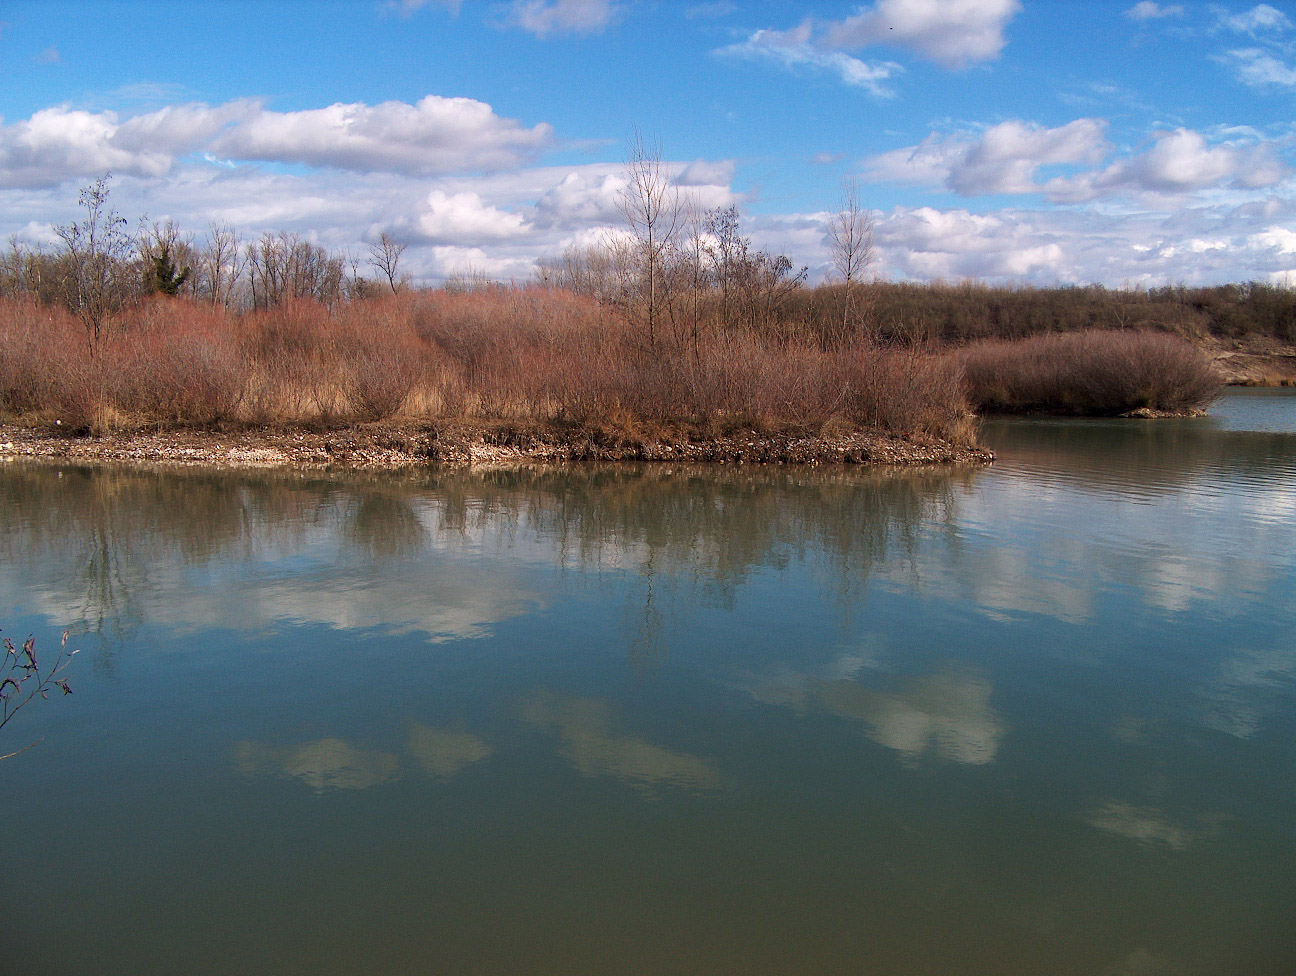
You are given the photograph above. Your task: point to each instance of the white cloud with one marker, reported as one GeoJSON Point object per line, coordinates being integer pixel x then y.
{"type": "Point", "coordinates": [547, 17]}
{"type": "Point", "coordinates": [434, 135]}
{"type": "Point", "coordinates": [1147, 10]}
{"type": "Point", "coordinates": [704, 172]}
{"type": "Point", "coordinates": [1006, 158]}
{"type": "Point", "coordinates": [1119, 248]}
{"type": "Point", "coordinates": [1179, 162]}
{"type": "Point", "coordinates": [954, 33]}
{"type": "Point", "coordinates": [1260, 69]}
{"type": "Point", "coordinates": [1002, 159]}
{"type": "Point", "coordinates": [581, 198]}
{"type": "Point", "coordinates": [1257, 19]}
{"type": "Point", "coordinates": [793, 49]}
{"type": "Point", "coordinates": [180, 129]}
{"type": "Point", "coordinates": [462, 218]}
{"type": "Point", "coordinates": [58, 144]}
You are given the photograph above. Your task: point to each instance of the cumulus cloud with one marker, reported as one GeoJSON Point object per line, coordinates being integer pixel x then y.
{"type": "Point", "coordinates": [581, 198]}
{"type": "Point", "coordinates": [180, 129]}
{"type": "Point", "coordinates": [1204, 244]}
{"type": "Point", "coordinates": [1179, 161]}
{"type": "Point", "coordinates": [953, 33]}
{"type": "Point", "coordinates": [433, 136]}
{"type": "Point", "coordinates": [462, 218]}
{"type": "Point", "coordinates": [794, 50]}
{"type": "Point", "coordinates": [544, 18]}
{"type": "Point", "coordinates": [1258, 19]}
{"type": "Point", "coordinates": [1147, 10]}
{"type": "Point", "coordinates": [58, 144]}
{"type": "Point", "coordinates": [1006, 159]}
{"type": "Point", "coordinates": [1002, 159]}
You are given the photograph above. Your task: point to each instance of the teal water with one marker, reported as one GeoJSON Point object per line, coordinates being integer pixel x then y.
{"type": "Point", "coordinates": [1032, 719]}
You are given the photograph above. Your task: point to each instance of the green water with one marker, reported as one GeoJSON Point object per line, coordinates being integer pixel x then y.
{"type": "Point", "coordinates": [1033, 719]}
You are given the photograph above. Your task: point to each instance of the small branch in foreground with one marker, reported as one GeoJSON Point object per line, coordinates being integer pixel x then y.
{"type": "Point", "coordinates": [22, 679]}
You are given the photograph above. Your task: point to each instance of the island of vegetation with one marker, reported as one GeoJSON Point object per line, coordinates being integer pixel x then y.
{"type": "Point", "coordinates": [676, 340]}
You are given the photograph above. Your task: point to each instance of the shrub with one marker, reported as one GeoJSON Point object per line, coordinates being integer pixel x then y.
{"type": "Point", "coordinates": [1089, 373]}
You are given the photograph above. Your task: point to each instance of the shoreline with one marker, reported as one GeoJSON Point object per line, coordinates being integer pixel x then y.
{"type": "Point", "coordinates": [396, 446]}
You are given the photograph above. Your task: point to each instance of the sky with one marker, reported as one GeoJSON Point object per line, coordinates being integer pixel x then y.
{"type": "Point", "coordinates": [1021, 142]}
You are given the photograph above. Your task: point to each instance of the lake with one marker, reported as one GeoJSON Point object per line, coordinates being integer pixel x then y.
{"type": "Point", "coordinates": [1036, 718]}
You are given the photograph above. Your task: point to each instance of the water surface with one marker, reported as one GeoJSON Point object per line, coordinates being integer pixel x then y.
{"type": "Point", "coordinates": [1036, 718]}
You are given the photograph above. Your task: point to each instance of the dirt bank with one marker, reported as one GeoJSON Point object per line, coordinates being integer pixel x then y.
{"type": "Point", "coordinates": [404, 445]}
{"type": "Point", "coordinates": [1254, 361]}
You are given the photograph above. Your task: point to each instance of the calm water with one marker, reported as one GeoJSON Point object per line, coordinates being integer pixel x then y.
{"type": "Point", "coordinates": [1033, 719]}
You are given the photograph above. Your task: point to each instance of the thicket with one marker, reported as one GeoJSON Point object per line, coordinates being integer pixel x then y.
{"type": "Point", "coordinates": [1088, 372]}
{"type": "Point", "coordinates": [530, 355]}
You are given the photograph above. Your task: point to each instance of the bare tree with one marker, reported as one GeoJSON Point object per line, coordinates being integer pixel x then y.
{"type": "Point", "coordinates": [726, 252]}
{"type": "Point", "coordinates": [221, 264]}
{"type": "Point", "coordinates": [650, 204]}
{"type": "Point", "coordinates": [26, 269]}
{"type": "Point", "coordinates": [98, 274]}
{"type": "Point", "coordinates": [283, 267]}
{"type": "Point", "coordinates": [850, 232]}
{"type": "Point", "coordinates": [385, 255]}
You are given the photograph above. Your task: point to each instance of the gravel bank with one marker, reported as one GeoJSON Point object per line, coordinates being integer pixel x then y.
{"type": "Point", "coordinates": [400, 446]}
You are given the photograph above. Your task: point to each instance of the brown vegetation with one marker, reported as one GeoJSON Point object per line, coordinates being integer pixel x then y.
{"type": "Point", "coordinates": [524, 355]}
{"type": "Point", "coordinates": [1089, 373]}
{"type": "Point", "coordinates": [681, 330]}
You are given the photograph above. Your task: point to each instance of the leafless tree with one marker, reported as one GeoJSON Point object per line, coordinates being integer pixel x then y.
{"type": "Point", "coordinates": [650, 204]}
{"type": "Point", "coordinates": [850, 232]}
{"type": "Point", "coordinates": [284, 266]}
{"type": "Point", "coordinates": [98, 278]}
{"type": "Point", "coordinates": [221, 264]}
{"type": "Point", "coordinates": [726, 253]}
{"type": "Point", "coordinates": [385, 255]}
{"type": "Point", "coordinates": [27, 269]}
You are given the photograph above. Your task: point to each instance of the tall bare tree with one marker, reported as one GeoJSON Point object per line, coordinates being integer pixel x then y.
{"type": "Point", "coordinates": [221, 264]}
{"type": "Point", "coordinates": [98, 277]}
{"type": "Point", "coordinates": [385, 255]}
{"type": "Point", "coordinates": [650, 204]}
{"type": "Point", "coordinates": [850, 232]}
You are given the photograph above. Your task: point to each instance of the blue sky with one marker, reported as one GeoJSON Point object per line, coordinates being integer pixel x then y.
{"type": "Point", "coordinates": [1018, 141]}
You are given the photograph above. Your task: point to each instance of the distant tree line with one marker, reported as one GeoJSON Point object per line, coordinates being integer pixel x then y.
{"type": "Point", "coordinates": [100, 267]}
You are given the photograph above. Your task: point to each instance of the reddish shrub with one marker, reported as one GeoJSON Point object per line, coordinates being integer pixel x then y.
{"type": "Point", "coordinates": [1089, 372]}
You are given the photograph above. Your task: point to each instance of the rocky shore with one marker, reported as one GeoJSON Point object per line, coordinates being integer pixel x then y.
{"type": "Point", "coordinates": [377, 446]}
